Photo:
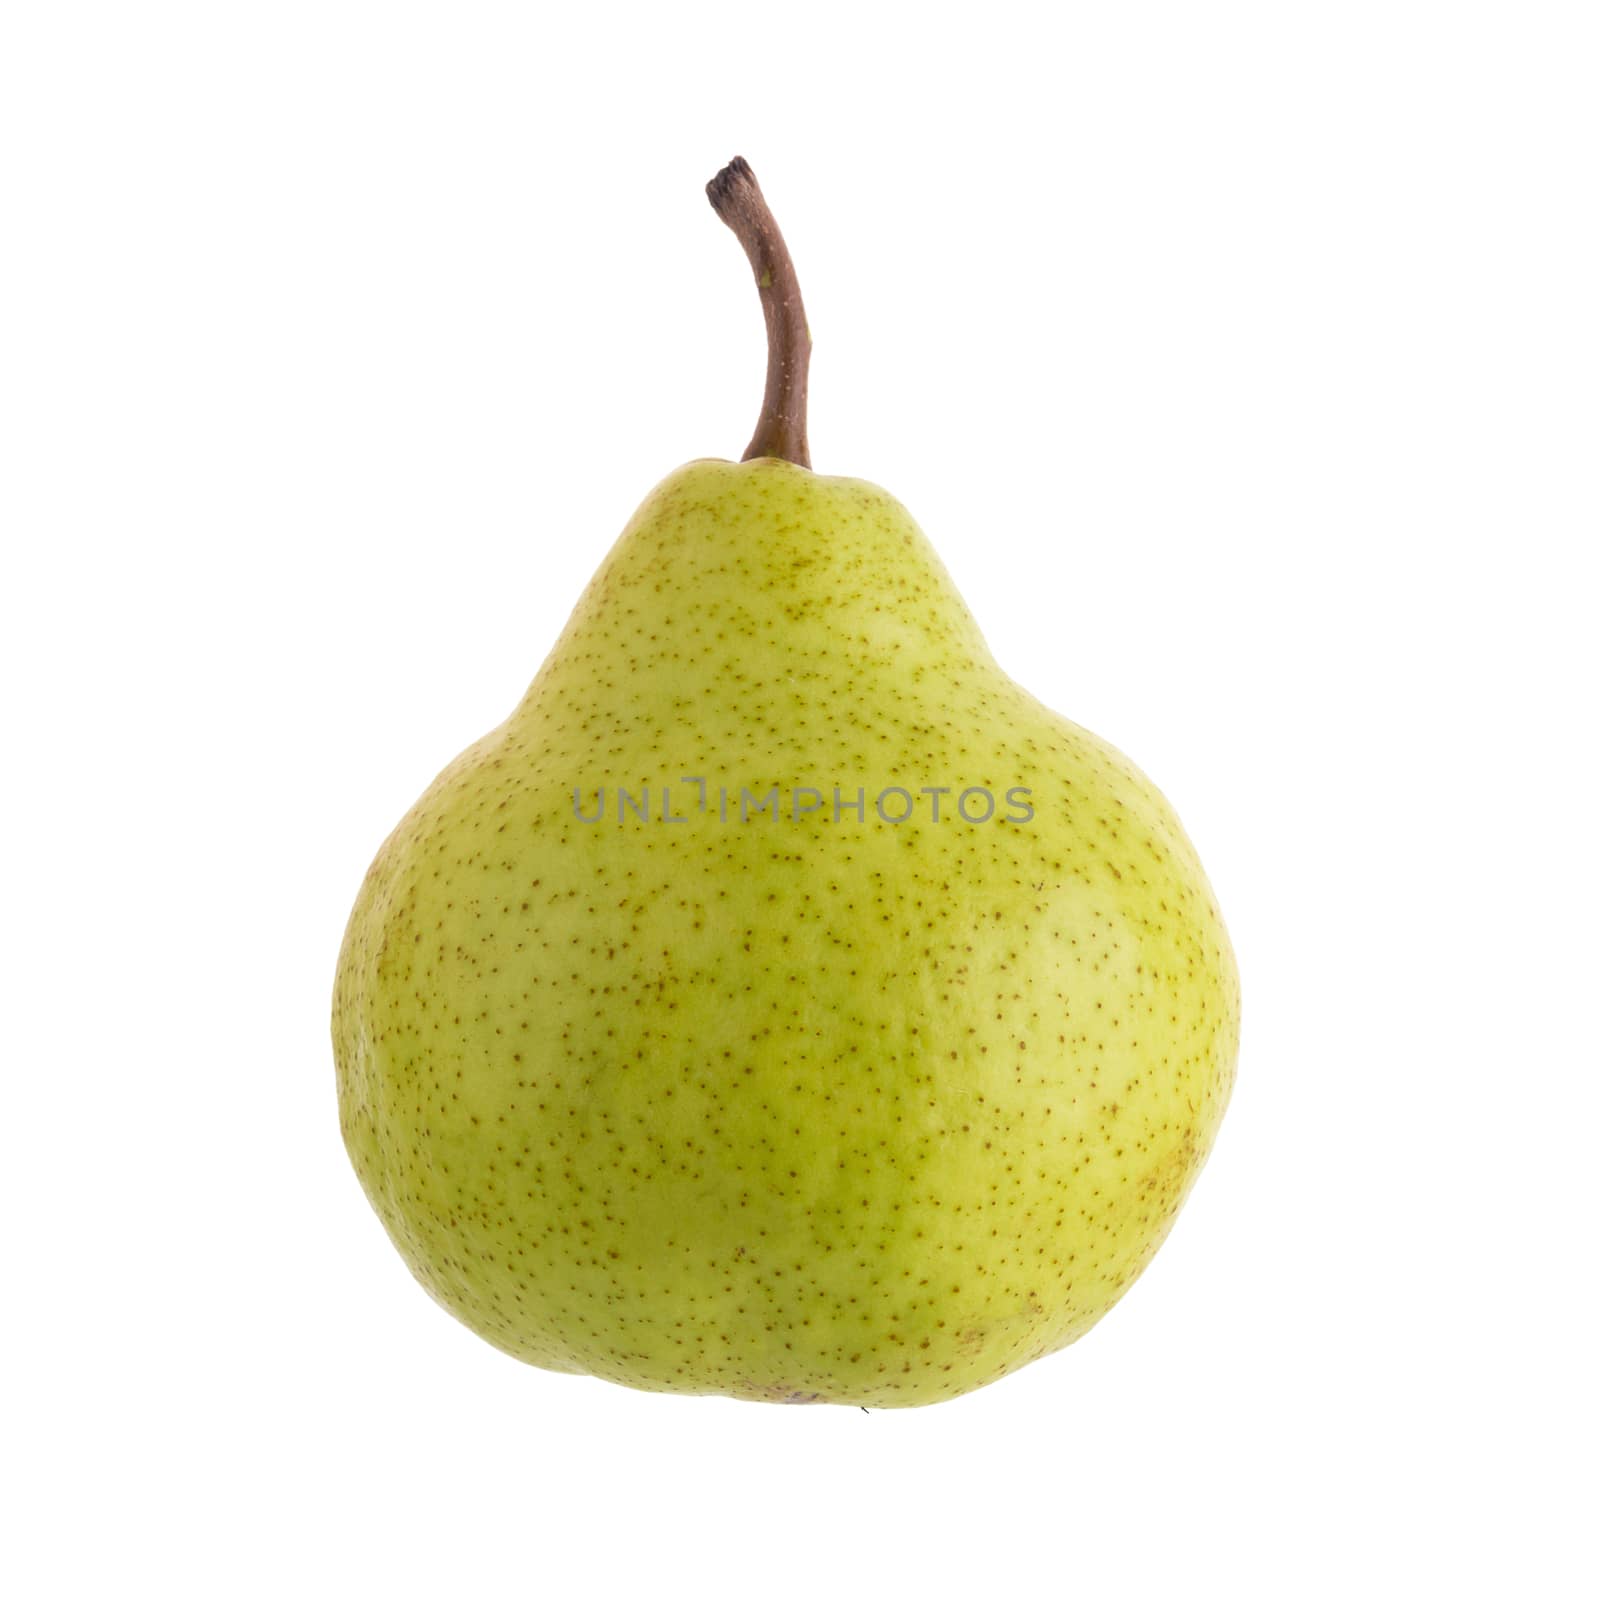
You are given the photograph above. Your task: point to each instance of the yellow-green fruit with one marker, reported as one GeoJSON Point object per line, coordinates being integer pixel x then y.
{"type": "Point", "coordinates": [815, 1107]}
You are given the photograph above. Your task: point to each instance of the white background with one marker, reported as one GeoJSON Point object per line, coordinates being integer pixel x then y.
{"type": "Point", "coordinates": [1240, 360]}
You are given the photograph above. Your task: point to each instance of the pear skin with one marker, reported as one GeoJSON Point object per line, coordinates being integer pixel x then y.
{"type": "Point", "coordinates": [788, 1108]}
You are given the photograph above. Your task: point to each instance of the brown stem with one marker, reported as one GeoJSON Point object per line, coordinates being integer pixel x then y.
{"type": "Point", "coordinates": [736, 198]}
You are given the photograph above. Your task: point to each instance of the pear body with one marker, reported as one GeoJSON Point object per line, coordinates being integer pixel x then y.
{"type": "Point", "coordinates": [788, 1103]}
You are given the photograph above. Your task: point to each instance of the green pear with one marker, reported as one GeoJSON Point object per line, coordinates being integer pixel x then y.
{"type": "Point", "coordinates": [782, 1003]}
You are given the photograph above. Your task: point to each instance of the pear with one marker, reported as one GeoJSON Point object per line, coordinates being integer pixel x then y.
{"type": "Point", "coordinates": [782, 1003]}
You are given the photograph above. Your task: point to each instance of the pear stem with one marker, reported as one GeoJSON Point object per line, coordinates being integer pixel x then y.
{"type": "Point", "coordinates": [736, 197]}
